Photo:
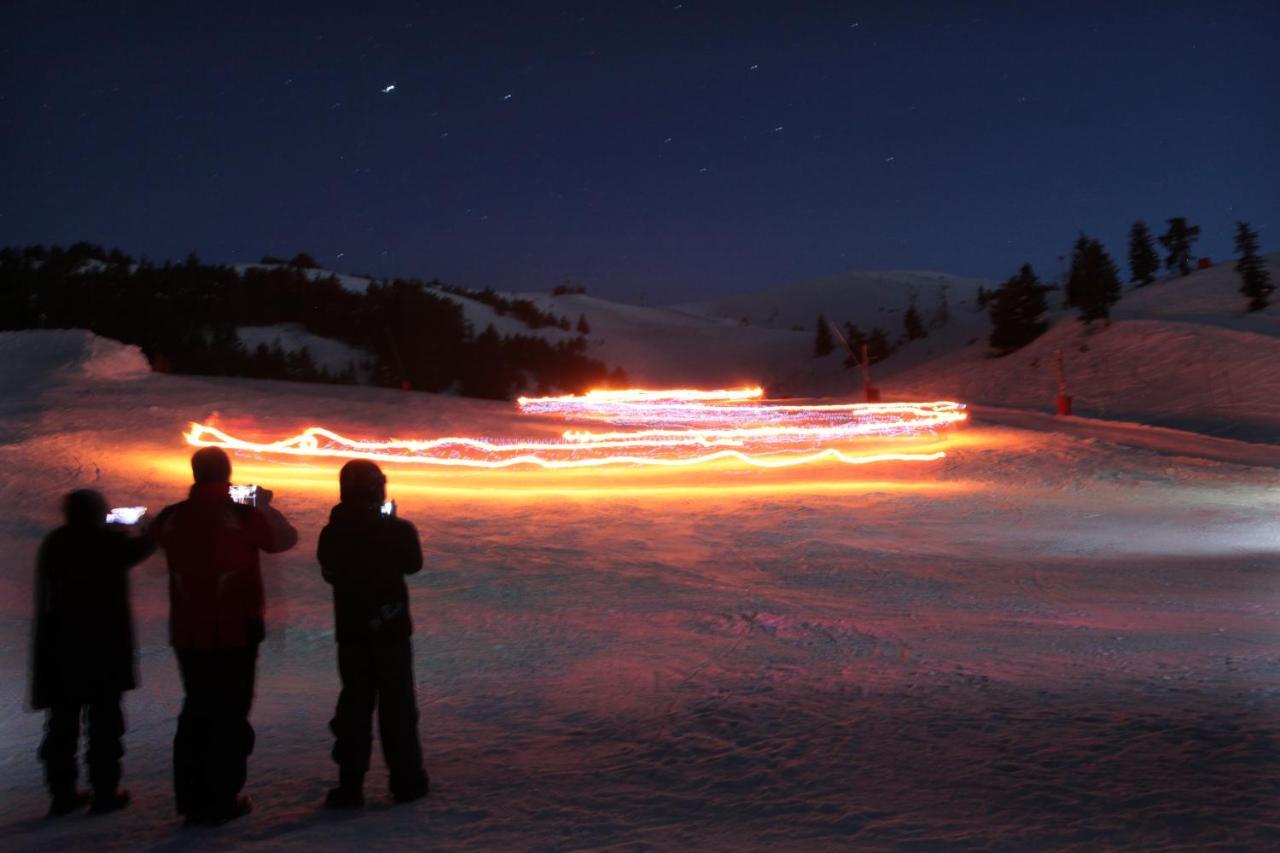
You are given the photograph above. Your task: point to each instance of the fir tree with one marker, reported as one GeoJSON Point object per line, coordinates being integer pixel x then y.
{"type": "Point", "coordinates": [1177, 241]}
{"type": "Point", "coordinates": [912, 326]}
{"type": "Point", "coordinates": [1143, 260]}
{"type": "Point", "coordinates": [878, 348]}
{"type": "Point", "coordinates": [1018, 311]}
{"type": "Point", "coordinates": [1255, 278]}
{"type": "Point", "coordinates": [853, 335]}
{"type": "Point", "coordinates": [941, 313]}
{"type": "Point", "coordinates": [1093, 284]}
{"type": "Point", "coordinates": [584, 328]}
{"type": "Point", "coordinates": [822, 342]}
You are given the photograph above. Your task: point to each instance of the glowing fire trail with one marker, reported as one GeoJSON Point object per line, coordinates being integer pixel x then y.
{"type": "Point", "coordinates": [669, 428]}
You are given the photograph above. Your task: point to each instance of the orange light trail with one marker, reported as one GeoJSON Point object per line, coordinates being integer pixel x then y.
{"type": "Point", "coordinates": [676, 428]}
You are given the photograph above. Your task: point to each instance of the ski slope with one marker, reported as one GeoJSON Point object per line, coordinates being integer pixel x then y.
{"type": "Point", "coordinates": [1043, 641]}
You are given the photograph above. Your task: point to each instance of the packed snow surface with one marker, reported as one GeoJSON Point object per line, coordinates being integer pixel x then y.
{"type": "Point", "coordinates": [1043, 641]}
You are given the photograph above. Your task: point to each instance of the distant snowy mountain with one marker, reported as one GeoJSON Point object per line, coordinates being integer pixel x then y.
{"type": "Point", "coordinates": [866, 299]}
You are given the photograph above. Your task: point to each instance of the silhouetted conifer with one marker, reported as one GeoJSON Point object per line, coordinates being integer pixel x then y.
{"type": "Point", "coordinates": [878, 348]}
{"type": "Point", "coordinates": [942, 311]}
{"type": "Point", "coordinates": [1018, 312]}
{"type": "Point", "coordinates": [1177, 241]}
{"type": "Point", "coordinates": [822, 342]}
{"type": "Point", "coordinates": [1144, 263]}
{"type": "Point", "coordinates": [1255, 278]}
{"type": "Point", "coordinates": [912, 326]}
{"type": "Point", "coordinates": [1093, 284]}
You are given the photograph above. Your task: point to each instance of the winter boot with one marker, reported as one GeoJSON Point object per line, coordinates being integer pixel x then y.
{"type": "Point", "coordinates": [415, 788]}
{"type": "Point", "coordinates": [349, 794]}
{"type": "Point", "coordinates": [239, 807]}
{"type": "Point", "coordinates": [66, 802]}
{"type": "Point", "coordinates": [105, 802]}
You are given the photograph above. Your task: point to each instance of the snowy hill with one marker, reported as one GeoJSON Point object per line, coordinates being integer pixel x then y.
{"type": "Point", "coordinates": [994, 652]}
{"type": "Point", "coordinates": [1181, 352]}
{"type": "Point", "coordinates": [768, 336]}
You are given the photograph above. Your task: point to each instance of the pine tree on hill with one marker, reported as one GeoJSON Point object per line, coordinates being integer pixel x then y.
{"type": "Point", "coordinates": [1255, 278]}
{"type": "Point", "coordinates": [912, 325]}
{"type": "Point", "coordinates": [1144, 263]}
{"type": "Point", "coordinates": [822, 342]}
{"type": "Point", "coordinates": [855, 338]}
{"type": "Point", "coordinates": [584, 328]}
{"type": "Point", "coordinates": [941, 313]}
{"type": "Point", "coordinates": [1018, 310]}
{"type": "Point", "coordinates": [878, 348]}
{"type": "Point", "coordinates": [1177, 241]}
{"type": "Point", "coordinates": [1093, 284]}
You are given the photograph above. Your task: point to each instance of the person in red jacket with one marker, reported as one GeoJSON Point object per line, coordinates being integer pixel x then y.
{"type": "Point", "coordinates": [216, 621]}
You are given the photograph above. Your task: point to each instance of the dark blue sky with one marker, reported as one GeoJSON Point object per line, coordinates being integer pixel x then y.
{"type": "Point", "coordinates": [663, 151]}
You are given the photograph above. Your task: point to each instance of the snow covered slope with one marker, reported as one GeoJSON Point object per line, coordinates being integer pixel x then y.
{"type": "Point", "coordinates": [1040, 642]}
{"type": "Point", "coordinates": [768, 336]}
{"type": "Point", "coordinates": [333, 355]}
{"type": "Point", "coordinates": [1181, 352]}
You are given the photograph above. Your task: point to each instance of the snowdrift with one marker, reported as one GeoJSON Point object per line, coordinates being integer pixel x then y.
{"type": "Point", "coordinates": [37, 358]}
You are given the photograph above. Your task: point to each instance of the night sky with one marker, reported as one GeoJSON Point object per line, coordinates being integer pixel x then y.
{"type": "Point", "coordinates": [650, 151]}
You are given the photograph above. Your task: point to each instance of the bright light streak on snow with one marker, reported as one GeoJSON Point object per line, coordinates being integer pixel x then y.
{"type": "Point", "coordinates": [667, 429]}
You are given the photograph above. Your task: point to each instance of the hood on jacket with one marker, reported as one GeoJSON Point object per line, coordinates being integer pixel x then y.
{"type": "Point", "coordinates": [85, 508]}
{"type": "Point", "coordinates": [362, 482]}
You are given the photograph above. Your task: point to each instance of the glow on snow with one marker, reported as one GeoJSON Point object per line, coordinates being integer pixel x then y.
{"type": "Point", "coordinates": [670, 428]}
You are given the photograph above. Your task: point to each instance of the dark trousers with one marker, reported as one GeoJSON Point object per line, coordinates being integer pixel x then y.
{"type": "Point", "coordinates": [378, 674]}
{"type": "Point", "coordinates": [62, 737]}
{"type": "Point", "coordinates": [214, 740]}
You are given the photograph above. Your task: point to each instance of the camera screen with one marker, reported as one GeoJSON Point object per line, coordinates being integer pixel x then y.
{"type": "Point", "coordinates": [247, 495]}
{"type": "Point", "coordinates": [126, 514]}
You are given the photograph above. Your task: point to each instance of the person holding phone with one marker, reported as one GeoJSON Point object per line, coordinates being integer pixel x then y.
{"type": "Point", "coordinates": [83, 654]}
{"type": "Point", "coordinates": [365, 551]}
{"type": "Point", "coordinates": [216, 622]}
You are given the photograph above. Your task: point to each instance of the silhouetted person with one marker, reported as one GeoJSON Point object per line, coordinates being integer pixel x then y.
{"type": "Point", "coordinates": [365, 555]}
{"type": "Point", "coordinates": [83, 651]}
{"type": "Point", "coordinates": [216, 621]}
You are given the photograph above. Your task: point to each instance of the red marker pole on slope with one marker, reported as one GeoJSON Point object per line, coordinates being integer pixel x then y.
{"type": "Point", "coordinates": [1064, 399]}
{"type": "Point", "coordinates": [869, 391]}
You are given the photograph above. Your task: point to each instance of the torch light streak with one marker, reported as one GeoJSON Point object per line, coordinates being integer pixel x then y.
{"type": "Point", "coordinates": [757, 435]}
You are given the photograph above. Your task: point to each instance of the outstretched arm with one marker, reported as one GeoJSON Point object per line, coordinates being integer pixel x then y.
{"type": "Point", "coordinates": [274, 532]}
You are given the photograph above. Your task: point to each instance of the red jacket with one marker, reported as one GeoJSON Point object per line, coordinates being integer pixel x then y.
{"type": "Point", "coordinates": [215, 583]}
